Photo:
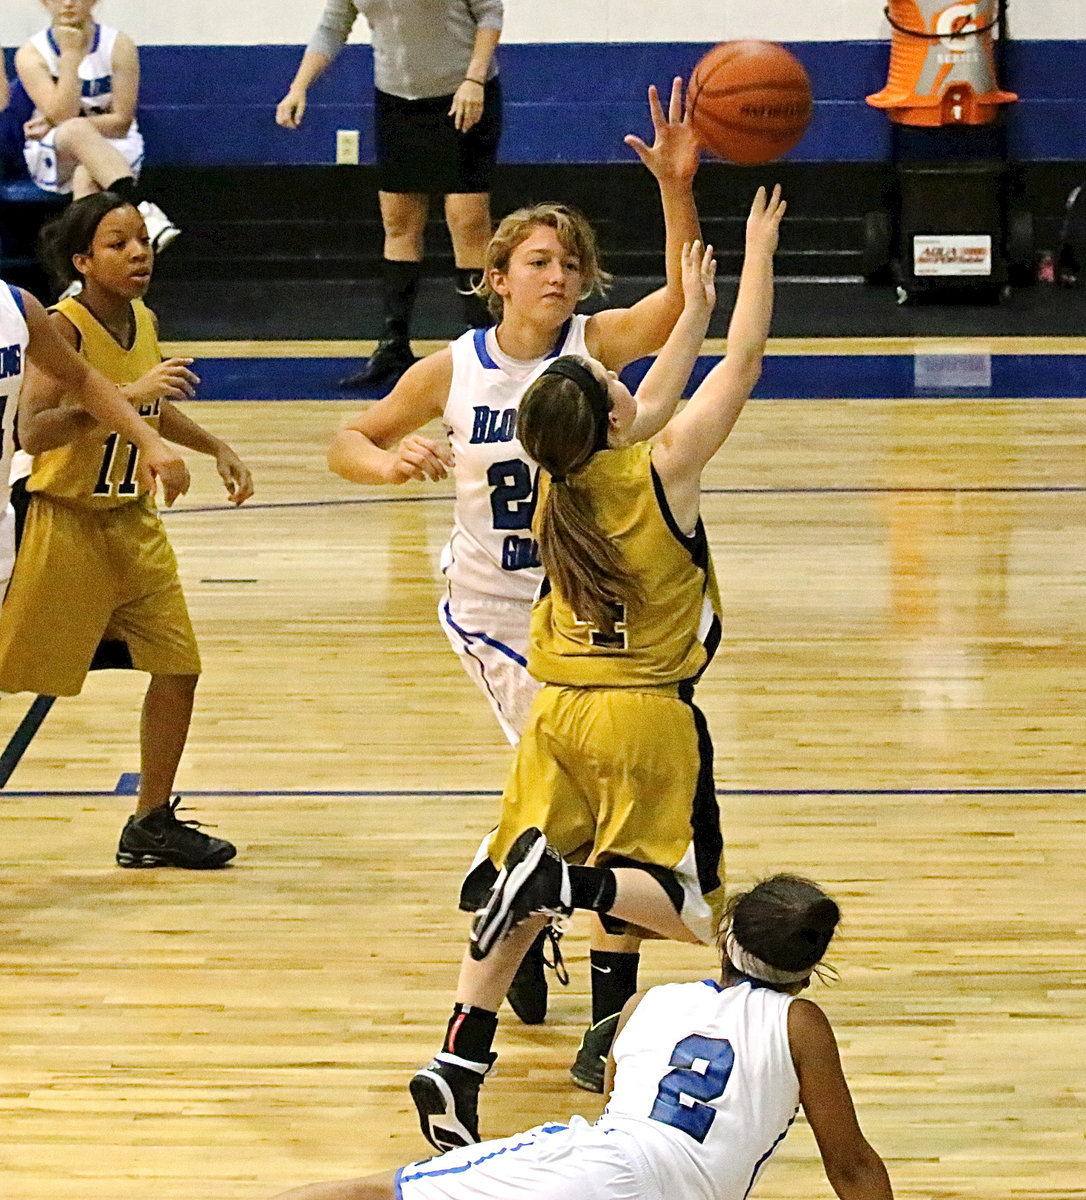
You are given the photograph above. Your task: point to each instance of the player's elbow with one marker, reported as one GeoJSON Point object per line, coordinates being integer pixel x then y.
{"type": "Point", "coordinates": [857, 1172]}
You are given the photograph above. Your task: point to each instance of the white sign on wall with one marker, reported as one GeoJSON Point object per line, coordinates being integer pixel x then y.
{"type": "Point", "coordinates": [952, 254]}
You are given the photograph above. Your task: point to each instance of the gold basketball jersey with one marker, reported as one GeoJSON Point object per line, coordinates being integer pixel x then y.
{"type": "Point", "coordinates": [98, 469]}
{"type": "Point", "coordinates": [670, 633]}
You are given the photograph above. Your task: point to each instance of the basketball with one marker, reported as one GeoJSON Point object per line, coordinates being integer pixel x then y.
{"type": "Point", "coordinates": [749, 102]}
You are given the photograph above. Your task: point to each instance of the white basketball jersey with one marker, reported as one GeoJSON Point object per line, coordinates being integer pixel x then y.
{"type": "Point", "coordinates": [704, 1079]}
{"type": "Point", "coordinates": [95, 70]}
{"type": "Point", "coordinates": [14, 339]}
{"type": "Point", "coordinates": [491, 549]}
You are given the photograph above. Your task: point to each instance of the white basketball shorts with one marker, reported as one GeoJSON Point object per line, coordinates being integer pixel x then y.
{"type": "Point", "coordinates": [550, 1162]}
{"type": "Point", "coordinates": [52, 171]}
{"type": "Point", "coordinates": [490, 637]}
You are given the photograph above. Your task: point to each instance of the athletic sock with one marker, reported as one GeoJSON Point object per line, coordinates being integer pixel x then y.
{"type": "Point", "coordinates": [593, 888]}
{"type": "Point", "coordinates": [125, 187]}
{"type": "Point", "coordinates": [470, 1033]}
{"type": "Point", "coordinates": [614, 981]}
{"type": "Point", "coordinates": [472, 306]}
{"type": "Point", "coordinates": [400, 283]}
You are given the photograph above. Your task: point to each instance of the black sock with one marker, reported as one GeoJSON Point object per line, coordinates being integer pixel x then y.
{"type": "Point", "coordinates": [470, 1033]}
{"type": "Point", "coordinates": [472, 306]}
{"type": "Point", "coordinates": [592, 887]}
{"type": "Point", "coordinates": [399, 283]}
{"type": "Point", "coordinates": [614, 981]}
{"type": "Point", "coordinates": [125, 187]}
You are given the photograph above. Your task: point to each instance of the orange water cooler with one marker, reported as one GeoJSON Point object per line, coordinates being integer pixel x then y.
{"type": "Point", "coordinates": [951, 221]}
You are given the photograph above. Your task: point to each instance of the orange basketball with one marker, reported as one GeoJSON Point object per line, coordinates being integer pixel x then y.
{"type": "Point", "coordinates": [750, 101]}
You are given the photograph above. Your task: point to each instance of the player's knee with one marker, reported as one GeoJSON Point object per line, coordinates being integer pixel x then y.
{"type": "Point", "coordinates": [75, 133]}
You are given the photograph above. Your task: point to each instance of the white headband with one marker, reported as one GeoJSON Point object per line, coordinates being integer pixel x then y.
{"type": "Point", "coordinates": [748, 964]}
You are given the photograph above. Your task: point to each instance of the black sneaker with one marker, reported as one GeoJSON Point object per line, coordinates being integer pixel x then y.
{"type": "Point", "coordinates": [384, 366]}
{"type": "Point", "coordinates": [527, 993]}
{"type": "Point", "coordinates": [587, 1069]}
{"type": "Point", "coordinates": [534, 880]}
{"type": "Point", "coordinates": [446, 1095]}
{"type": "Point", "coordinates": [159, 839]}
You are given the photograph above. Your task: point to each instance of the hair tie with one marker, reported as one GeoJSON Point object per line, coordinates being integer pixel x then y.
{"type": "Point", "coordinates": [596, 393]}
{"type": "Point", "coordinates": [558, 479]}
{"type": "Point", "coordinates": [750, 964]}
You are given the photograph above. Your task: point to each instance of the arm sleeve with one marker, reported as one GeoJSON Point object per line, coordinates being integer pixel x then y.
{"type": "Point", "coordinates": [334, 28]}
{"type": "Point", "coordinates": [488, 14]}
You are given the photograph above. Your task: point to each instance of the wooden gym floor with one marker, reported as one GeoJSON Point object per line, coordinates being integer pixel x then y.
{"type": "Point", "coordinates": [897, 709]}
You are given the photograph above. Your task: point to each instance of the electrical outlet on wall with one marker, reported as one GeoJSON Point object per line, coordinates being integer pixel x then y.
{"type": "Point", "coordinates": [347, 147]}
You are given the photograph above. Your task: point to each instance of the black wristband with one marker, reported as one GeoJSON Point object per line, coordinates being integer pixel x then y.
{"type": "Point", "coordinates": [480, 82]}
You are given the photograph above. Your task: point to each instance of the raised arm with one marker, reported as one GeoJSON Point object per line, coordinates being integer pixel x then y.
{"type": "Point", "coordinates": [853, 1168]}
{"type": "Point", "coordinates": [50, 353]}
{"type": "Point", "coordinates": [662, 387]}
{"type": "Point", "coordinates": [619, 335]}
{"type": "Point", "coordinates": [380, 445]}
{"type": "Point", "coordinates": [693, 436]}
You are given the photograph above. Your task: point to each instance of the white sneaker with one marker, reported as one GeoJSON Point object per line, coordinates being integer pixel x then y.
{"type": "Point", "coordinates": [160, 229]}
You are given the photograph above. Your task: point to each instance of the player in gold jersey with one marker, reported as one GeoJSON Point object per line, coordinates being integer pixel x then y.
{"type": "Point", "coordinates": [95, 573]}
{"type": "Point", "coordinates": [610, 805]}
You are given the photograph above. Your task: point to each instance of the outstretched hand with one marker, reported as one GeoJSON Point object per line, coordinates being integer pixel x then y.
{"type": "Point", "coordinates": [674, 153]}
{"type": "Point", "coordinates": [699, 278]}
{"type": "Point", "coordinates": [764, 221]}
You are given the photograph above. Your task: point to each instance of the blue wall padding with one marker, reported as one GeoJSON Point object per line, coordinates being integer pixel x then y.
{"type": "Point", "coordinates": [565, 103]}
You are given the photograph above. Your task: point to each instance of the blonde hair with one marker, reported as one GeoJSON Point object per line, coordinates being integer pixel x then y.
{"type": "Point", "coordinates": [561, 426]}
{"type": "Point", "coordinates": [574, 232]}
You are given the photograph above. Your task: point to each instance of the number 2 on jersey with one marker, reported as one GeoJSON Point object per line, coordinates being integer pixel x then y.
{"type": "Point", "coordinates": [127, 486]}
{"type": "Point", "coordinates": [512, 500]}
{"type": "Point", "coordinates": [698, 1085]}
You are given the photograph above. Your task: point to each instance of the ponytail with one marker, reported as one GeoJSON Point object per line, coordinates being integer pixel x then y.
{"type": "Point", "coordinates": [561, 424]}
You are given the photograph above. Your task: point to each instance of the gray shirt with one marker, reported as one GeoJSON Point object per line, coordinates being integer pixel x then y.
{"type": "Point", "coordinates": [421, 48]}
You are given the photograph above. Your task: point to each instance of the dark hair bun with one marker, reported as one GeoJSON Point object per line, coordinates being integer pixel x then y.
{"type": "Point", "coordinates": [786, 921]}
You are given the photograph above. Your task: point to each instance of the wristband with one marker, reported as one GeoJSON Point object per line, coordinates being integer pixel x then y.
{"type": "Point", "coordinates": [480, 82]}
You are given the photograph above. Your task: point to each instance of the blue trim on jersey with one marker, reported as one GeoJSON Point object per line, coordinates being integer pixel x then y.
{"type": "Point", "coordinates": [717, 987]}
{"type": "Point", "coordinates": [761, 1162]}
{"type": "Point", "coordinates": [17, 296]}
{"type": "Point", "coordinates": [560, 341]}
{"type": "Point", "coordinates": [462, 1167]}
{"type": "Point", "coordinates": [486, 639]}
{"type": "Point", "coordinates": [488, 363]}
{"type": "Point", "coordinates": [479, 338]}
{"type": "Point", "coordinates": [97, 37]}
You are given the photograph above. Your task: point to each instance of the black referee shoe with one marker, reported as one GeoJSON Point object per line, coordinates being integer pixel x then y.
{"type": "Point", "coordinates": [159, 839]}
{"type": "Point", "coordinates": [384, 366]}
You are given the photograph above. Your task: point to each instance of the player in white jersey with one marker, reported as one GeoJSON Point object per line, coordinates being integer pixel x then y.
{"type": "Point", "coordinates": [83, 137]}
{"type": "Point", "coordinates": [705, 1078]}
{"type": "Point", "coordinates": [541, 262]}
{"type": "Point", "coordinates": [25, 332]}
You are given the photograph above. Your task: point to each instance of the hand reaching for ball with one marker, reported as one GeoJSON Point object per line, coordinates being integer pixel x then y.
{"type": "Point", "coordinates": [764, 222]}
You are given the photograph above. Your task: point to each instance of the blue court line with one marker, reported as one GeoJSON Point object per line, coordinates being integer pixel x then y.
{"type": "Point", "coordinates": [469, 793]}
{"type": "Point", "coordinates": [828, 490]}
{"type": "Point", "coordinates": [784, 377]}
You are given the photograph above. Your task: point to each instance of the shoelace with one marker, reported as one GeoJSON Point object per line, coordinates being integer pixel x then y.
{"type": "Point", "coordinates": [174, 806]}
{"type": "Point", "coordinates": [555, 962]}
